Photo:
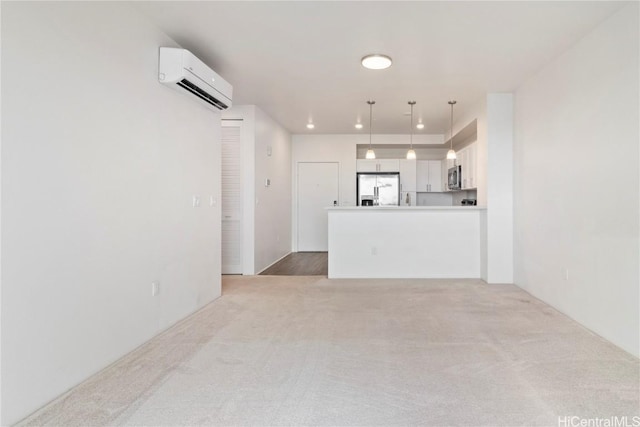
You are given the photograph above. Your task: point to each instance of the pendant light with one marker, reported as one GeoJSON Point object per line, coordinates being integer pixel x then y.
{"type": "Point", "coordinates": [370, 153]}
{"type": "Point", "coordinates": [411, 155]}
{"type": "Point", "coordinates": [451, 154]}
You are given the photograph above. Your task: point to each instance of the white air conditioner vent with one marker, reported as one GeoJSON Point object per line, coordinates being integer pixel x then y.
{"type": "Point", "coordinates": [181, 70]}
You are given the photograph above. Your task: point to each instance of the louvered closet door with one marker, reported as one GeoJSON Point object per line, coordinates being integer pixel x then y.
{"type": "Point", "coordinates": [231, 198]}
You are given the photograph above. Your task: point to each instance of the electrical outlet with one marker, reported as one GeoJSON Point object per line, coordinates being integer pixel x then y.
{"type": "Point", "coordinates": [155, 289]}
{"type": "Point", "coordinates": [196, 201]}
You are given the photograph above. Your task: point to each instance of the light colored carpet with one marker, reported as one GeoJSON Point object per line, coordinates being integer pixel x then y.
{"type": "Point", "coordinates": [276, 350]}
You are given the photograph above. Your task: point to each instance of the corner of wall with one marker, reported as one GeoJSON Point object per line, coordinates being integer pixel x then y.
{"type": "Point", "coordinates": [499, 186]}
{"type": "Point", "coordinates": [272, 154]}
{"type": "Point", "coordinates": [577, 229]}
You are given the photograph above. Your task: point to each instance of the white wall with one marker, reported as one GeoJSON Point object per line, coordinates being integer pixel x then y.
{"type": "Point", "coordinates": [576, 182]}
{"type": "Point", "coordinates": [99, 166]}
{"type": "Point", "coordinates": [499, 187]}
{"type": "Point", "coordinates": [266, 210]}
{"type": "Point", "coordinates": [0, 231]}
{"type": "Point", "coordinates": [273, 203]}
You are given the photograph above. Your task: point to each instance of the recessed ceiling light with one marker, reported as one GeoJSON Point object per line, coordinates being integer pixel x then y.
{"type": "Point", "coordinates": [420, 126]}
{"type": "Point", "coordinates": [358, 125]}
{"type": "Point", "coordinates": [310, 125]}
{"type": "Point", "coordinates": [376, 61]}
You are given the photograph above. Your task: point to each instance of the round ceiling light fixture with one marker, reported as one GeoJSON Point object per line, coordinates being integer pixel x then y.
{"type": "Point", "coordinates": [376, 61]}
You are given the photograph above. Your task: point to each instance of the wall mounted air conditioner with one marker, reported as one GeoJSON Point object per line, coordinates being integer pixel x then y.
{"type": "Point", "coordinates": [181, 70]}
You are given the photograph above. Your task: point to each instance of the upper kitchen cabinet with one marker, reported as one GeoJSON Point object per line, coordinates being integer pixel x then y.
{"type": "Point", "coordinates": [378, 165]}
{"type": "Point", "coordinates": [429, 176]}
{"type": "Point", "coordinates": [407, 175]}
{"type": "Point", "coordinates": [467, 159]}
{"type": "Point", "coordinates": [470, 180]}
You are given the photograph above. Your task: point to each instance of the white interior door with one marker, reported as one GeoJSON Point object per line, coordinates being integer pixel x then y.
{"type": "Point", "coordinates": [318, 188]}
{"type": "Point", "coordinates": [231, 197]}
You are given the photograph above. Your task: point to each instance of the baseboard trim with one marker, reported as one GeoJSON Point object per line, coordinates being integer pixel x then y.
{"type": "Point", "coordinates": [274, 262]}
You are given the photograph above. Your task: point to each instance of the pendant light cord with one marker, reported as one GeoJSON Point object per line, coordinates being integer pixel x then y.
{"type": "Point", "coordinates": [451, 132]}
{"type": "Point", "coordinates": [370, 120]}
{"type": "Point", "coordinates": [412, 103]}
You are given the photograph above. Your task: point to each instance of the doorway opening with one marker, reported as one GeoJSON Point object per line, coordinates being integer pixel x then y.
{"type": "Point", "coordinates": [318, 187]}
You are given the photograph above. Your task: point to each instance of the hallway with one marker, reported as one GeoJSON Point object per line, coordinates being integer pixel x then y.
{"type": "Point", "coordinates": [312, 351]}
{"type": "Point", "coordinates": [300, 264]}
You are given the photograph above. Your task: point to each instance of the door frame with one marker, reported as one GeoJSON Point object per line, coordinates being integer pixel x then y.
{"type": "Point", "coordinates": [296, 221]}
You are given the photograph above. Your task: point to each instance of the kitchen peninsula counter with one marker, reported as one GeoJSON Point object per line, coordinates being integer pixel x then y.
{"type": "Point", "coordinates": [406, 241]}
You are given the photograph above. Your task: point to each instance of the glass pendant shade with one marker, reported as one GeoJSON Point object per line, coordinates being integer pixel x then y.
{"type": "Point", "coordinates": [370, 153]}
{"type": "Point", "coordinates": [451, 154]}
{"type": "Point", "coordinates": [411, 154]}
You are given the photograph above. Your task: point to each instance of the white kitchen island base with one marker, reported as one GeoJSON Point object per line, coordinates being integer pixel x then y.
{"type": "Point", "coordinates": [406, 242]}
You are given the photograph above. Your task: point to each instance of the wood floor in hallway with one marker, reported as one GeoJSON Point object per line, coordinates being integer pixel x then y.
{"type": "Point", "coordinates": [293, 351]}
{"type": "Point", "coordinates": [300, 264]}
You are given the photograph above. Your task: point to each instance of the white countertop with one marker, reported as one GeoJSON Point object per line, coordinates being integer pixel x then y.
{"type": "Point", "coordinates": [405, 208]}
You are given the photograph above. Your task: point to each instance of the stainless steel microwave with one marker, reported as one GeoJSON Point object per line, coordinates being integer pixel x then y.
{"type": "Point", "coordinates": [455, 178]}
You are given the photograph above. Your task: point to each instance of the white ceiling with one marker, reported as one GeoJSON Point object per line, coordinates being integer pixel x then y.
{"type": "Point", "coordinates": [300, 61]}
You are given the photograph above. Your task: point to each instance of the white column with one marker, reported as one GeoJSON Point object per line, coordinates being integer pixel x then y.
{"type": "Point", "coordinates": [499, 233]}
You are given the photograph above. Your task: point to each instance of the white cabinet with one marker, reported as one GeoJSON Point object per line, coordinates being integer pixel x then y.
{"type": "Point", "coordinates": [408, 198]}
{"type": "Point", "coordinates": [407, 175]}
{"type": "Point", "coordinates": [463, 163]}
{"type": "Point", "coordinates": [388, 165]}
{"type": "Point", "coordinates": [429, 176]}
{"type": "Point", "coordinates": [467, 159]}
{"type": "Point", "coordinates": [435, 175]}
{"type": "Point", "coordinates": [367, 165]}
{"type": "Point", "coordinates": [378, 165]}
{"type": "Point", "coordinates": [472, 160]}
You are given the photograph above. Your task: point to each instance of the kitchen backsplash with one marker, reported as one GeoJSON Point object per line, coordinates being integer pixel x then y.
{"type": "Point", "coordinates": [459, 195]}
{"type": "Point", "coordinates": [445, 199]}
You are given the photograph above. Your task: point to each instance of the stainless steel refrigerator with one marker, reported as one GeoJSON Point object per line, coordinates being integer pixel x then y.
{"type": "Point", "coordinates": [378, 189]}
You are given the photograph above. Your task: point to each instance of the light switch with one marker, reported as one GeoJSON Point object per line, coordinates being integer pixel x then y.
{"type": "Point", "coordinates": [212, 201]}
{"type": "Point", "coordinates": [196, 201]}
